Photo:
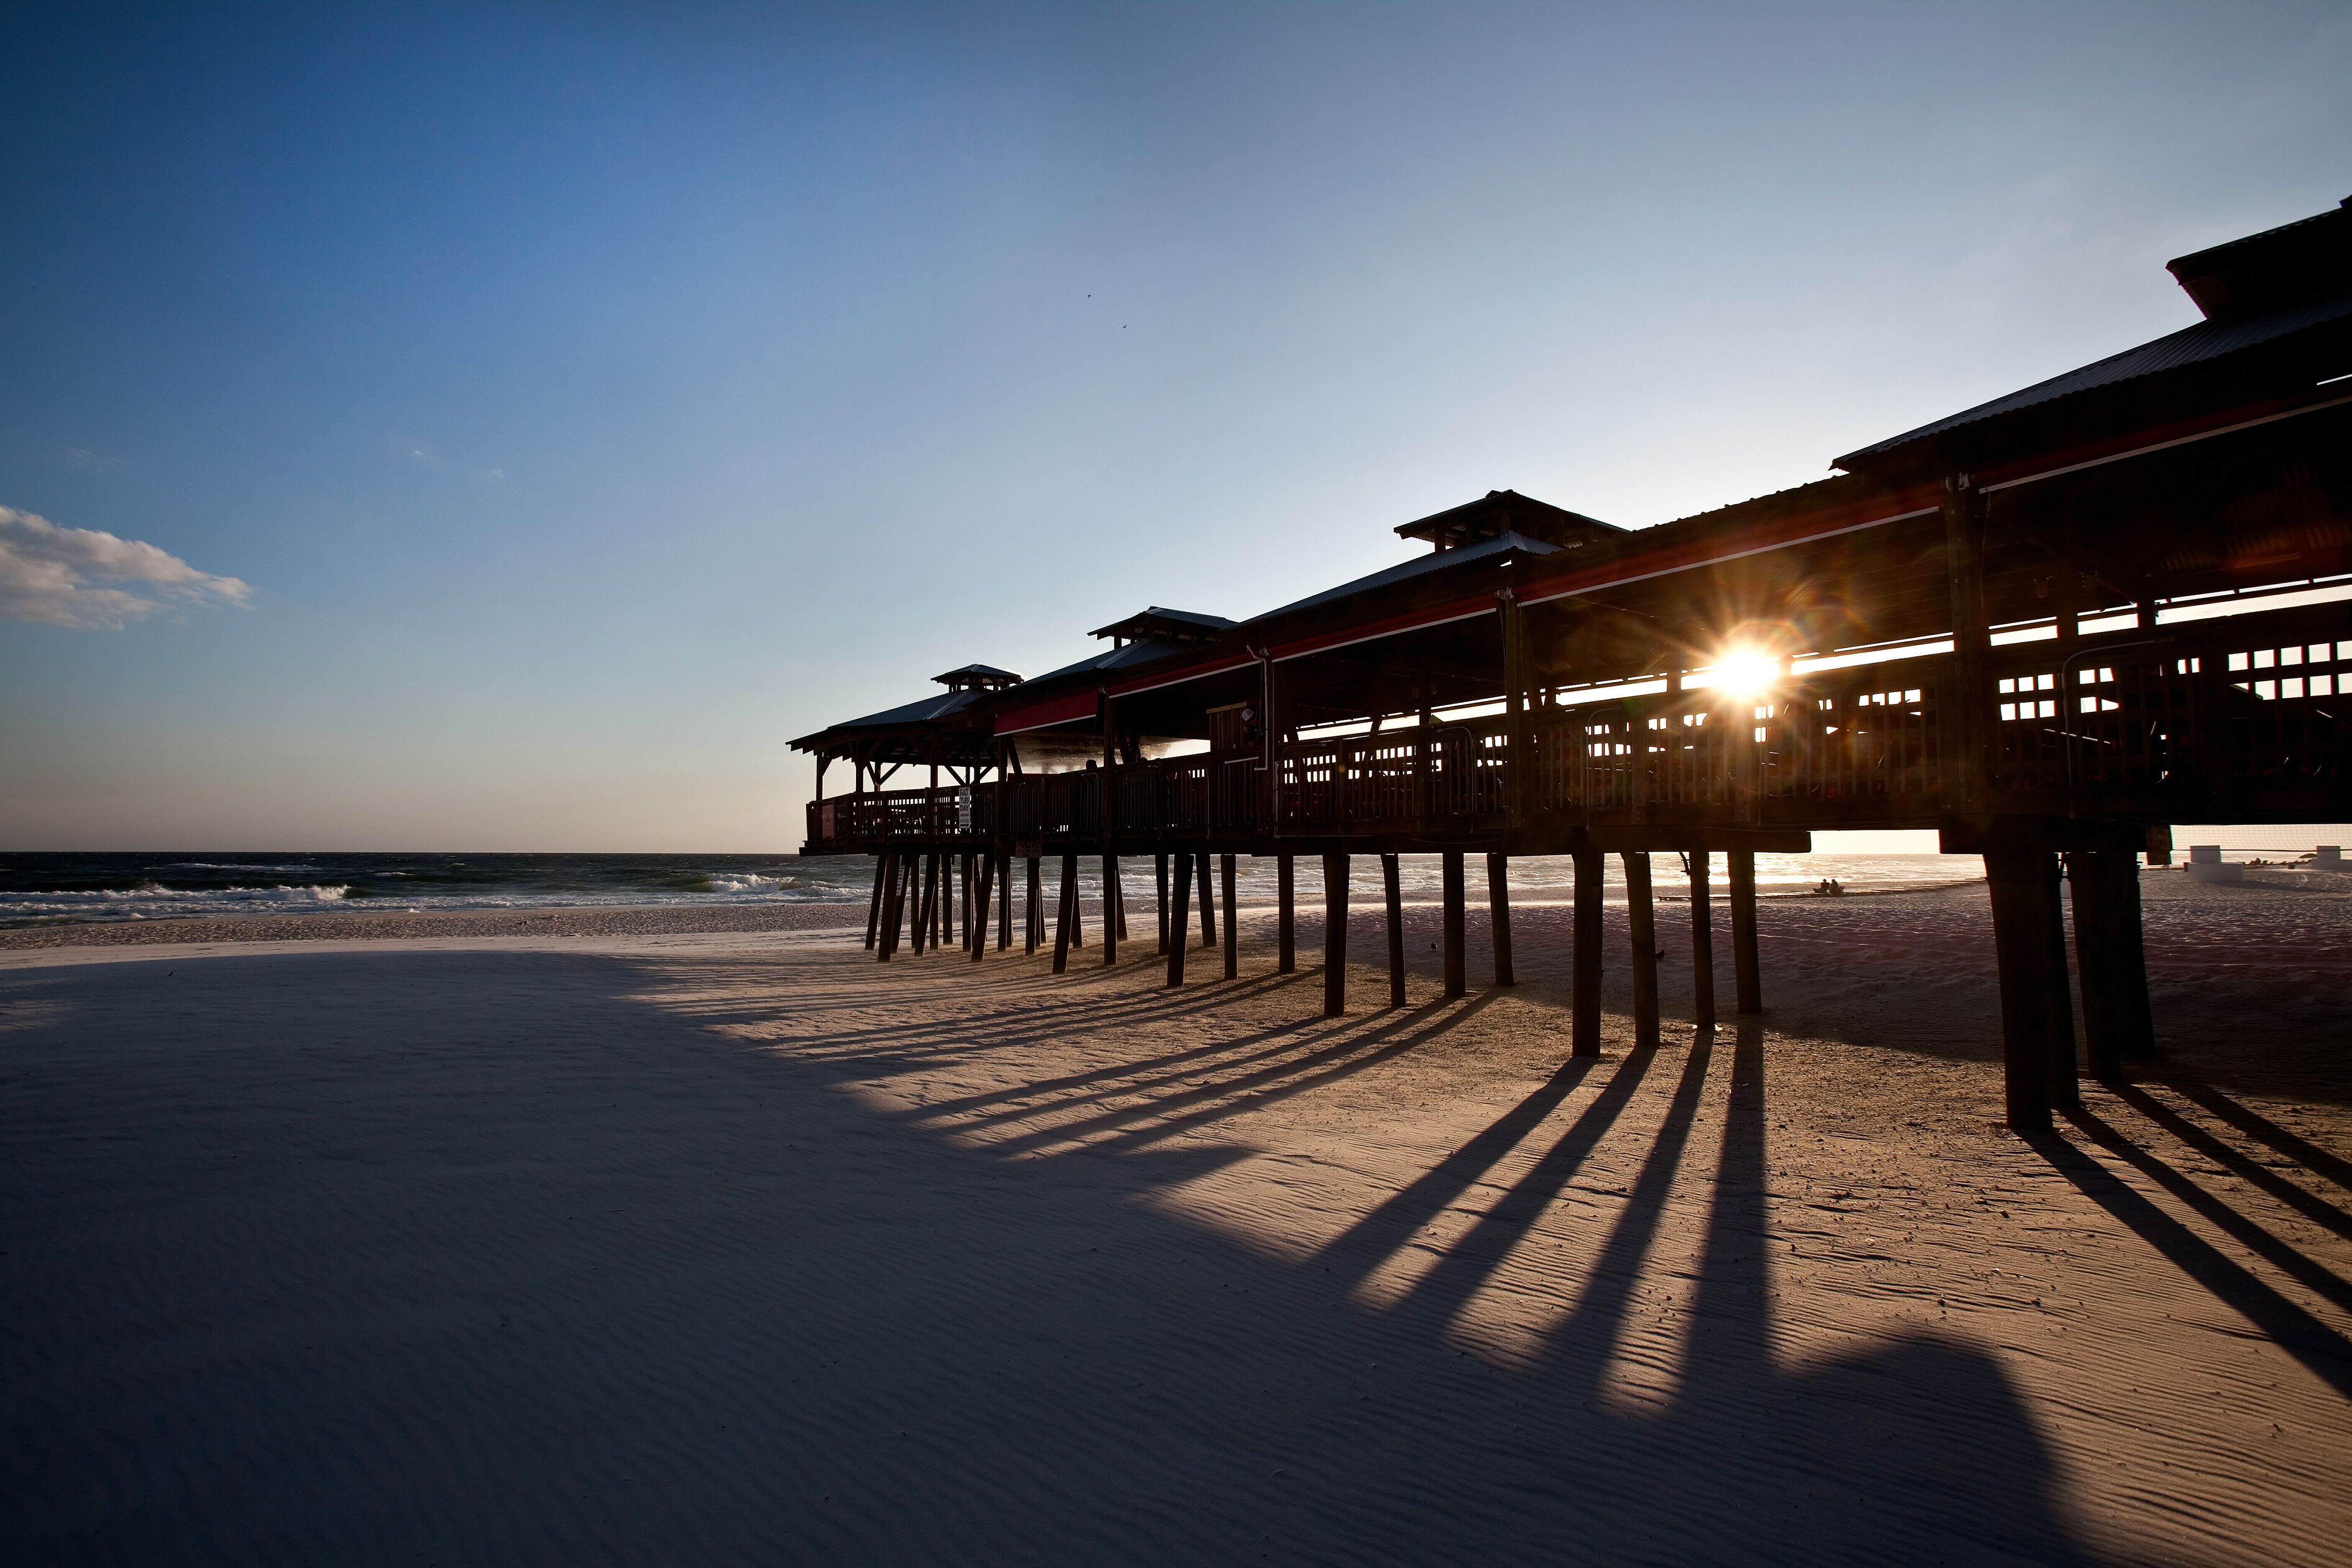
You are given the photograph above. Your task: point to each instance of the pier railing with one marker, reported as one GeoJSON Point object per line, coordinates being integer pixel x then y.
{"type": "Point", "coordinates": [2241, 718]}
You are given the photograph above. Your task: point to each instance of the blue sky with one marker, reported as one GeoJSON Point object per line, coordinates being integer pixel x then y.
{"type": "Point", "coordinates": [586, 400]}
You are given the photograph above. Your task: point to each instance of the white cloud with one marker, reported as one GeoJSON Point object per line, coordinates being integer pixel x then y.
{"type": "Point", "coordinates": [46, 572]}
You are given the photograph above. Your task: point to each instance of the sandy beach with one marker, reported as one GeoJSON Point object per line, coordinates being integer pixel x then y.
{"type": "Point", "coordinates": [613, 1237]}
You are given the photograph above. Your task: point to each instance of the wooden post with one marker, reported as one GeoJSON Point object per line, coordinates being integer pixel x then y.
{"type": "Point", "coordinates": [927, 912]}
{"type": "Point", "coordinates": [1177, 915]}
{"type": "Point", "coordinates": [1456, 976]}
{"type": "Point", "coordinates": [1392, 883]}
{"type": "Point", "coordinates": [1233, 927]}
{"type": "Point", "coordinates": [1034, 909]}
{"type": "Point", "coordinates": [1285, 916]}
{"type": "Point", "coordinates": [874, 905]}
{"type": "Point", "coordinates": [1641, 927]}
{"type": "Point", "coordinates": [1584, 983]}
{"type": "Point", "coordinates": [1335, 936]}
{"type": "Point", "coordinates": [976, 928]}
{"type": "Point", "coordinates": [1004, 900]}
{"type": "Point", "coordinates": [1498, 911]}
{"type": "Point", "coordinates": [1748, 979]}
{"type": "Point", "coordinates": [888, 942]}
{"type": "Point", "coordinates": [1159, 869]}
{"type": "Point", "coordinates": [1966, 726]}
{"type": "Point", "coordinates": [1702, 942]}
{"type": "Point", "coordinates": [910, 900]}
{"type": "Point", "coordinates": [2065, 1082]}
{"type": "Point", "coordinates": [1208, 905]}
{"type": "Point", "coordinates": [943, 907]}
{"type": "Point", "coordinates": [1065, 926]}
{"type": "Point", "coordinates": [1118, 901]}
{"type": "Point", "coordinates": [2021, 944]}
{"type": "Point", "coordinates": [1110, 910]}
{"type": "Point", "coordinates": [2108, 952]}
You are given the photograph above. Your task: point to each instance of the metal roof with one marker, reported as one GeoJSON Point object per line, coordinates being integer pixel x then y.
{"type": "Point", "coordinates": [1421, 565]}
{"type": "Point", "coordinates": [917, 712]}
{"type": "Point", "coordinates": [2190, 345]}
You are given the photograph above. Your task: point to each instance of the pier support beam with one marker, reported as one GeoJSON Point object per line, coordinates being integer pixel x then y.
{"type": "Point", "coordinates": [1176, 916]}
{"type": "Point", "coordinates": [2023, 880]}
{"type": "Point", "coordinates": [1111, 933]}
{"type": "Point", "coordinates": [1115, 891]}
{"type": "Point", "coordinates": [982, 886]}
{"type": "Point", "coordinates": [1641, 927]}
{"type": "Point", "coordinates": [1034, 908]}
{"type": "Point", "coordinates": [1233, 927]}
{"type": "Point", "coordinates": [1392, 883]}
{"type": "Point", "coordinates": [873, 906]}
{"type": "Point", "coordinates": [1208, 905]}
{"type": "Point", "coordinates": [2065, 1075]}
{"type": "Point", "coordinates": [1748, 979]}
{"type": "Point", "coordinates": [1456, 967]}
{"type": "Point", "coordinates": [1584, 982]}
{"type": "Point", "coordinates": [1498, 909]}
{"type": "Point", "coordinates": [1335, 936]}
{"type": "Point", "coordinates": [2111, 959]}
{"type": "Point", "coordinates": [1003, 902]}
{"type": "Point", "coordinates": [1067, 926]}
{"type": "Point", "coordinates": [1702, 942]}
{"type": "Point", "coordinates": [927, 913]}
{"type": "Point", "coordinates": [1159, 871]}
{"type": "Point", "coordinates": [1285, 916]}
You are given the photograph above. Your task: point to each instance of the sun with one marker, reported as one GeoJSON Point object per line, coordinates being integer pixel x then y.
{"type": "Point", "coordinates": [1745, 671]}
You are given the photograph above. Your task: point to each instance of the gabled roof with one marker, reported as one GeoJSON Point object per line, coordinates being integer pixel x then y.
{"type": "Point", "coordinates": [2290, 264]}
{"type": "Point", "coordinates": [1158, 624]}
{"type": "Point", "coordinates": [2256, 291]}
{"type": "Point", "coordinates": [1499, 512]}
{"type": "Point", "coordinates": [1421, 565]}
{"type": "Point", "coordinates": [921, 712]}
{"type": "Point", "coordinates": [985, 677]}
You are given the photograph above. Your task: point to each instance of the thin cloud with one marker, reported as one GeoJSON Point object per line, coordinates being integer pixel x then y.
{"type": "Point", "coordinates": [46, 572]}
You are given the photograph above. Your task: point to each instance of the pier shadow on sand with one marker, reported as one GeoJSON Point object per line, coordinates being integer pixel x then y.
{"type": "Point", "coordinates": [493, 1257]}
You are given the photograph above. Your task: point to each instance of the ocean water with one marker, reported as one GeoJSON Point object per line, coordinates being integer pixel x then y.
{"type": "Point", "coordinates": [37, 888]}
{"type": "Point", "coordinates": [44, 888]}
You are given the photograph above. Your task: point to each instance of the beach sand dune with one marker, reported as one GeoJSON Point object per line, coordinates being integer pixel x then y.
{"type": "Point", "coordinates": [713, 1247]}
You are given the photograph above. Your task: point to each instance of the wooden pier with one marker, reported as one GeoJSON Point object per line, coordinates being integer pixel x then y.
{"type": "Point", "coordinates": [2046, 626]}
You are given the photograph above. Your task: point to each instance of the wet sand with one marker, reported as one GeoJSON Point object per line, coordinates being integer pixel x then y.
{"type": "Point", "coordinates": [660, 1244]}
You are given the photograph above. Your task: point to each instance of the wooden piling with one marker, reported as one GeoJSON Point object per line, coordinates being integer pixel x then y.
{"type": "Point", "coordinates": [2058, 1001]}
{"type": "Point", "coordinates": [1111, 933]}
{"type": "Point", "coordinates": [1160, 870]}
{"type": "Point", "coordinates": [1233, 927]}
{"type": "Point", "coordinates": [1065, 924]}
{"type": "Point", "coordinates": [1118, 892]}
{"type": "Point", "coordinates": [1642, 929]}
{"type": "Point", "coordinates": [1004, 902]}
{"type": "Point", "coordinates": [1585, 981]}
{"type": "Point", "coordinates": [1702, 901]}
{"type": "Point", "coordinates": [1748, 980]}
{"type": "Point", "coordinates": [1392, 884]}
{"type": "Point", "coordinates": [984, 887]}
{"type": "Point", "coordinates": [1285, 916]}
{"type": "Point", "coordinates": [1177, 915]}
{"type": "Point", "coordinates": [2111, 960]}
{"type": "Point", "coordinates": [1208, 905]}
{"type": "Point", "coordinates": [927, 912]}
{"type": "Point", "coordinates": [2021, 933]}
{"type": "Point", "coordinates": [1456, 970]}
{"type": "Point", "coordinates": [1335, 936]}
{"type": "Point", "coordinates": [887, 940]}
{"type": "Point", "coordinates": [1032, 909]}
{"type": "Point", "coordinates": [874, 905]}
{"type": "Point", "coordinates": [1498, 911]}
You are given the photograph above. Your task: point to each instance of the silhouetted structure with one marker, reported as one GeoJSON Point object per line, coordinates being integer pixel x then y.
{"type": "Point", "coordinates": [2046, 625]}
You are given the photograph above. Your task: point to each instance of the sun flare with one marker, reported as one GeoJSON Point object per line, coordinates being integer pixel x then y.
{"type": "Point", "coordinates": [1746, 671]}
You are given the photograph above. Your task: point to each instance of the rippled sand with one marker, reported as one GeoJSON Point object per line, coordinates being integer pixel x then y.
{"type": "Point", "coordinates": [644, 1243]}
